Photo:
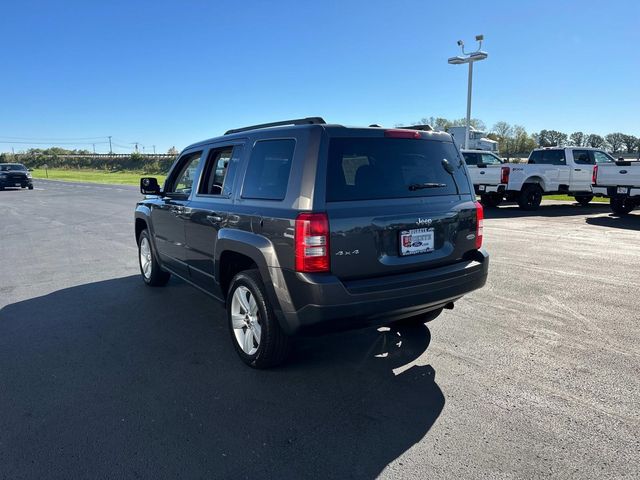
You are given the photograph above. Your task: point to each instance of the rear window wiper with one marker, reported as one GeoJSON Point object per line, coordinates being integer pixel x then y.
{"type": "Point", "coordinates": [419, 186]}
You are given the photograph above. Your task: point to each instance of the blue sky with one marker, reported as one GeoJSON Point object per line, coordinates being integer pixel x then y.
{"type": "Point", "coordinates": [171, 73]}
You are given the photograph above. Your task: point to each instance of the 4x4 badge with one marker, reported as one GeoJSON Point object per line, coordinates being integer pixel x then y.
{"type": "Point", "coordinates": [424, 221]}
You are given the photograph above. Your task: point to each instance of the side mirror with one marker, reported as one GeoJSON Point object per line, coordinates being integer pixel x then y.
{"type": "Point", "coordinates": [30, 169]}
{"type": "Point", "coordinates": [149, 186]}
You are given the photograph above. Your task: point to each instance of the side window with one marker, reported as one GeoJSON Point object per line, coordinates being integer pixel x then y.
{"type": "Point", "coordinates": [183, 181]}
{"type": "Point", "coordinates": [535, 157]}
{"type": "Point", "coordinates": [470, 158]}
{"type": "Point", "coordinates": [220, 171]}
{"type": "Point", "coordinates": [601, 157]}
{"type": "Point", "coordinates": [268, 171]}
{"type": "Point", "coordinates": [582, 157]}
{"type": "Point", "coordinates": [552, 157]}
{"type": "Point", "coordinates": [489, 159]}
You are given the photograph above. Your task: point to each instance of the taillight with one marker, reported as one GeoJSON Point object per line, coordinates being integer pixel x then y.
{"type": "Point", "coordinates": [400, 133]}
{"type": "Point", "coordinates": [594, 176]}
{"type": "Point", "coordinates": [312, 242]}
{"type": "Point", "coordinates": [504, 175]}
{"type": "Point", "coordinates": [479, 224]}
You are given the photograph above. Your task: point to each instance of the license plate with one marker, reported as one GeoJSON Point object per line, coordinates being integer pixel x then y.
{"type": "Point", "coordinates": [416, 241]}
{"type": "Point", "coordinates": [482, 188]}
{"type": "Point", "coordinates": [623, 190]}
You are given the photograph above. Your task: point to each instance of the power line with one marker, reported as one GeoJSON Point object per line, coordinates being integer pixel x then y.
{"type": "Point", "coordinates": [53, 143]}
{"type": "Point", "coordinates": [52, 139]}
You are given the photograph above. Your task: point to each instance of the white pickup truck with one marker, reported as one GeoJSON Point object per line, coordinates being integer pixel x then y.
{"type": "Point", "coordinates": [488, 174]}
{"type": "Point", "coordinates": [552, 170]}
{"type": "Point", "coordinates": [620, 181]}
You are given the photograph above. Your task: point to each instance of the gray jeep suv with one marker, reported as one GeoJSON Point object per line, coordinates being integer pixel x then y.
{"type": "Point", "coordinates": [302, 227]}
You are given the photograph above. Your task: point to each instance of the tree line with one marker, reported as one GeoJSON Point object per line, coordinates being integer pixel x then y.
{"type": "Point", "coordinates": [83, 159]}
{"type": "Point", "coordinates": [513, 140]}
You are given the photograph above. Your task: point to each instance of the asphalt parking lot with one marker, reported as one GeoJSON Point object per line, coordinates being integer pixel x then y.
{"type": "Point", "coordinates": [536, 375]}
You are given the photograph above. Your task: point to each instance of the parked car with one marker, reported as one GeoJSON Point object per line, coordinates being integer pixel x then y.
{"type": "Point", "coordinates": [620, 181]}
{"type": "Point", "coordinates": [551, 170]}
{"type": "Point", "coordinates": [302, 227]}
{"type": "Point", "coordinates": [488, 174]}
{"type": "Point", "coordinates": [15, 175]}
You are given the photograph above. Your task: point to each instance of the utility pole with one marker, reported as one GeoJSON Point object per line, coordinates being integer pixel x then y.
{"type": "Point", "coordinates": [94, 148]}
{"type": "Point", "coordinates": [110, 149]}
{"type": "Point", "coordinates": [136, 147]}
{"type": "Point", "coordinates": [154, 149]}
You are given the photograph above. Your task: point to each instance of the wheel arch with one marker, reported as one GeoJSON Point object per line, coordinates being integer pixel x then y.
{"type": "Point", "coordinates": [536, 180]}
{"type": "Point", "coordinates": [238, 250]}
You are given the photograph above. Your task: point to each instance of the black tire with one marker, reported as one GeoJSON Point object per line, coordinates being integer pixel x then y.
{"type": "Point", "coordinates": [584, 200]}
{"type": "Point", "coordinates": [530, 196]}
{"type": "Point", "coordinates": [30, 187]}
{"type": "Point", "coordinates": [491, 200]}
{"type": "Point", "coordinates": [156, 277]}
{"type": "Point", "coordinates": [274, 345]}
{"type": "Point", "coordinates": [621, 205]}
{"type": "Point", "coordinates": [421, 319]}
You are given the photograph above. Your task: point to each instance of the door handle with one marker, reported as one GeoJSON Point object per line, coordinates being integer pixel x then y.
{"type": "Point", "coordinates": [623, 171]}
{"type": "Point", "coordinates": [214, 218]}
{"type": "Point", "coordinates": [176, 210]}
{"type": "Point", "coordinates": [482, 173]}
{"type": "Point", "coordinates": [577, 169]}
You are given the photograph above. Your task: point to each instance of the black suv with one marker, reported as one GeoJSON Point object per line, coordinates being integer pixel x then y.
{"type": "Point", "coordinates": [15, 175]}
{"type": "Point", "coordinates": [301, 227]}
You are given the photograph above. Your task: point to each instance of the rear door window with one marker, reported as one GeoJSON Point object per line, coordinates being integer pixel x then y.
{"type": "Point", "coordinates": [381, 168]}
{"type": "Point", "coordinates": [220, 171]}
{"type": "Point", "coordinates": [268, 171]}
{"type": "Point", "coordinates": [470, 158]}
{"type": "Point", "coordinates": [553, 157]}
{"type": "Point", "coordinates": [548, 157]}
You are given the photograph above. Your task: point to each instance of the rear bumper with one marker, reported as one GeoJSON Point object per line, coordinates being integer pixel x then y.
{"type": "Point", "coordinates": [320, 303]}
{"type": "Point", "coordinates": [484, 189]}
{"type": "Point", "coordinates": [616, 191]}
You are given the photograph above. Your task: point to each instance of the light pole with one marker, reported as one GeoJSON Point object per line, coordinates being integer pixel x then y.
{"type": "Point", "coordinates": [469, 58]}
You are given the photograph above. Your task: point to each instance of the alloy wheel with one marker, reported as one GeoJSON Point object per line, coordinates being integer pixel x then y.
{"type": "Point", "coordinates": [245, 320]}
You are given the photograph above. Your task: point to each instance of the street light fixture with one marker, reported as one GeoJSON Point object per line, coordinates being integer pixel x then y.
{"type": "Point", "coordinates": [469, 58]}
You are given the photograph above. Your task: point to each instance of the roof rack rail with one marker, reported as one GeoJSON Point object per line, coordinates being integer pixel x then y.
{"type": "Point", "coordinates": [295, 121]}
{"type": "Point", "coordinates": [424, 128]}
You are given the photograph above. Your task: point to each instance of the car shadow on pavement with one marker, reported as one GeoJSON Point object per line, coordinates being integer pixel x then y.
{"type": "Point", "coordinates": [627, 222]}
{"type": "Point", "coordinates": [509, 210]}
{"type": "Point", "coordinates": [117, 380]}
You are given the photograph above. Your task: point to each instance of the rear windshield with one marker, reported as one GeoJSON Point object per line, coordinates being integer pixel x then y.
{"type": "Point", "coordinates": [379, 168]}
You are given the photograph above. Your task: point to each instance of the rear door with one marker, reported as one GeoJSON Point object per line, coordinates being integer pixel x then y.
{"type": "Point", "coordinates": [551, 166]}
{"type": "Point", "coordinates": [582, 171]}
{"type": "Point", "coordinates": [393, 206]}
